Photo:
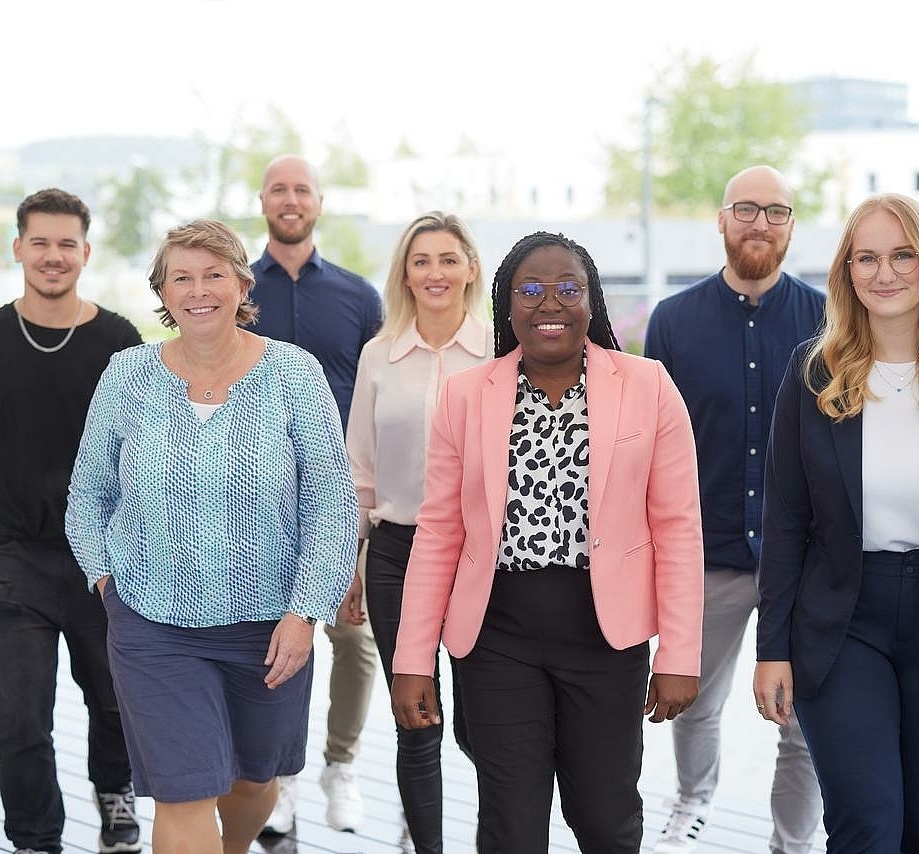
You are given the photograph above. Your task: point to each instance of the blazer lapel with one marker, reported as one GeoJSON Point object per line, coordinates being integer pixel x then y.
{"type": "Point", "coordinates": [604, 404]}
{"type": "Point", "coordinates": [847, 438]}
{"type": "Point", "coordinates": [498, 402]}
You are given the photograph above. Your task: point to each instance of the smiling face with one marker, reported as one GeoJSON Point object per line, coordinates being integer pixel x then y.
{"type": "Point", "coordinates": [437, 272]}
{"type": "Point", "coordinates": [887, 295]}
{"type": "Point", "coordinates": [755, 250]}
{"type": "Point", "coordinates": [53, 251]}
{"type": "Point", "coordinates": [551, 335]}
{"type": "Point", "coordinates": [291, 201]}
{"type": "Point", "coordinates": [201, 291]}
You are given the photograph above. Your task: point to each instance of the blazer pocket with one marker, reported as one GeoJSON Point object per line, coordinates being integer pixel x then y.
{"type": "Point", "coordinates": [645, 545]}
{"type": "Point", "coordinates": [629, 438]}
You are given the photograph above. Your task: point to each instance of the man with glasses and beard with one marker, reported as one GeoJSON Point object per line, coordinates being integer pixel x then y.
{"type": "Point", "coordinates": [726, 342]}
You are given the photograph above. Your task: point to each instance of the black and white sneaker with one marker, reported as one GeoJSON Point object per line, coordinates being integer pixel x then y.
{"type": "Point", "coordinates": [120, 832]}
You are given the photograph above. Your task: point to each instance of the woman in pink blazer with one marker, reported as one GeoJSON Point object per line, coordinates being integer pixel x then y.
{"type": "Point", "coordinates": [560, 531]}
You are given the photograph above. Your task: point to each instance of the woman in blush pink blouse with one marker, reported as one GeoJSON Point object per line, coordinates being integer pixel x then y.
{"type": "Point", "coordinates": [434, 327]}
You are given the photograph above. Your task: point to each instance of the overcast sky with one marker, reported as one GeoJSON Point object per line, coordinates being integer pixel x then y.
{"type": "Point", "coordinates": [549, 77]}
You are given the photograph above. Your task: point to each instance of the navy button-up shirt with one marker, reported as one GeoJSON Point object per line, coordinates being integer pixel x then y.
{"type": "Point", "coordinates": [728, 357]}
{"type": "Point", "coordinates": [327, 310]}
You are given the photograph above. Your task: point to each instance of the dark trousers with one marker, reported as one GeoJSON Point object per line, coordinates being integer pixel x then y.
{"type": "Point", "coordinates": [418, 751]}
{"type": "Point", "coordinates": [43, 594]}
{"type": "Point", "coordinates": [546, 697]}
{"type": "Point", "coordinates": [862, 728]}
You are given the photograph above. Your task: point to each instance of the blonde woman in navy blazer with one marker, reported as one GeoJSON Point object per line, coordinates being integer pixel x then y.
{"type": "Point", "coordinates": [838, 630]}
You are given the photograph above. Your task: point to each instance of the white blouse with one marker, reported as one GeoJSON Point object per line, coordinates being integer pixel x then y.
{"type": "Point", "coordinates": [398, 384]}
{"type": "Point", "coordinates": [890, 462]}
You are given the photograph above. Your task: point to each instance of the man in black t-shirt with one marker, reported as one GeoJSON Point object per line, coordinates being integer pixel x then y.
{"type": "Point", "coordinates": [53, 348]}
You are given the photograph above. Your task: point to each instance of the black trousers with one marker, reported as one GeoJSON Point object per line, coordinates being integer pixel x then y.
{"type": "Point", "coordinates": [546, 697]}
{"type": "Point", "coordinates": [418, 751]}
{"type": "Point", "coordinates": [43, 595]}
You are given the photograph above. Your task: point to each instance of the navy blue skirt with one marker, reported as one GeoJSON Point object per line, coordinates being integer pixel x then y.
{"type": "Point", "coordinates": [196, 712]}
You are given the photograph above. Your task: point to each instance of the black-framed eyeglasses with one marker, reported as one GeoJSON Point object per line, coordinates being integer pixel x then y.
{"type": "Point", "coordinates": [533, 294]}
{"type": "Point", "coordinates": [865, 265]}
{"type": "Point", "coordinates": [749, 211]}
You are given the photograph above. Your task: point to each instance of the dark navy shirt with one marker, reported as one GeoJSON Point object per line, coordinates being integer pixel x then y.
{"type": "Point", "coordinates": [728, 357]}
{"type": "Point", "coordinates": [327, 310]}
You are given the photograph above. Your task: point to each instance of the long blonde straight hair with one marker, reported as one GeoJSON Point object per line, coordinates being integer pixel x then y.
{"type": "Point", "coordinates": [399, 301]}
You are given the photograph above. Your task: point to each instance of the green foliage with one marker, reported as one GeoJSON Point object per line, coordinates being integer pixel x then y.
{"type": "Point", "coordinates": [404, 150]}
{"type": "Point", "coordinates": [130, 208]}
{"type": "Point", "coordinates": [708, 121]}
{"type": "Point", "coordinates": [343, 165]}
{"type": "Point", "coordinates": [234, 175]}
{"type": "Point", "coordinates": [340, 242]}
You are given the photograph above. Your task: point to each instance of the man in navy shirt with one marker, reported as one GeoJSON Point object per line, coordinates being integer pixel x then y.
{"type": "Point", "coordinates": [332, 313]}
{"type": "Point", "coordinates": [726, 342]}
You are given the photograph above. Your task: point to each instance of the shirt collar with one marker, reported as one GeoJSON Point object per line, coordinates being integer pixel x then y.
{"type": "Point", "coordinates": [472, 336]}
{"type": "Point", "coordinates": [733, 296]}
{"type": "Point", "coordinates": [315, 260]}
{"type": "Point", "coordinates": [576, 390]}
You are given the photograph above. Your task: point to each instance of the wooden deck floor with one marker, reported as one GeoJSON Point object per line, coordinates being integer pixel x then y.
{"type": "Point", "coordinates": [740, 822]}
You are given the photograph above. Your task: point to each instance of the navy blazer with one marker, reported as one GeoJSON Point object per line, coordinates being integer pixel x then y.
{"type": "Point", "coordinates": [811, 562]}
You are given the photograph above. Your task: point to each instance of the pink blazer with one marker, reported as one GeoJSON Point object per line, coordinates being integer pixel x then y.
{"type": "Point", "coordinates": [643, 507]}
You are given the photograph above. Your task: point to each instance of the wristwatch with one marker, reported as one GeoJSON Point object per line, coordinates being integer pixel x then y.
{"type": "Point", "coordinates": [310, 620]}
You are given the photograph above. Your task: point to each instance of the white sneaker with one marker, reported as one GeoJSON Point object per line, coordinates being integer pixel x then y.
{"type": "Point", "coordinates": [683, 828]}
{"type": "Point", "coordinates": [346, 809]}
{"type": "Point", "coordinates": [281, 820]}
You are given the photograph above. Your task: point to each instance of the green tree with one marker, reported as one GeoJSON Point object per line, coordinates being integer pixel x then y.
{"type": "Point", "coordinates": [343, 165]}
{"type": "Point", "coordinates": [341, 243]}
{"type": "Point", "coordinates": [708, 120]}
{"type": "Point", "coordinates": [230, 181]}
{"type": "Point", "coordinates": [130, 209]}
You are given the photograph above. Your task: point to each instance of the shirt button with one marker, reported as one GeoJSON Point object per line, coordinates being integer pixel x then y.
{"type": "Point", "coordinates": [752, 452]}
{"type": "Point", "coordinates": [752, 365]}
{"type": "Point", "coordinates": [751, 493]}
{"type": "Point", "coordinates": [751, 533]}
{"type": "Point", "coordinates": [753, 409]}
{"type": "Point", "coordinates": [741, 297]}
{"type": "Point", "coordinates": [750, 323]}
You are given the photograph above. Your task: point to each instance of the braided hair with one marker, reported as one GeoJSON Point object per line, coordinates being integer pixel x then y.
{"type": "Point", "coordinates": [599, 331]}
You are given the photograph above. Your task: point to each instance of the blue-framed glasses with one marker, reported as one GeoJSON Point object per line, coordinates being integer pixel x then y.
{"type": "Point", "coordinates": [533, 294]}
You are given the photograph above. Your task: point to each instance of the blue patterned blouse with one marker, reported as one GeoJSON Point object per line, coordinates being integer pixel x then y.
{"type": "Point", "coordinates": [245, 516]}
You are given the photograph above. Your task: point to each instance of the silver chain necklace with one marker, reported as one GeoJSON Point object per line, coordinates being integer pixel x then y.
{"type": "Point", "coordinates": [56, 347]}
{"type": "Point", "coordinates": [901, 381]}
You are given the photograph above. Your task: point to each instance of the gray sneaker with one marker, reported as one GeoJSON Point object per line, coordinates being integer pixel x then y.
{"type": "Point", "coordinates": [120, 832]}
{"type": "Point", "coordinates": [29, 851]}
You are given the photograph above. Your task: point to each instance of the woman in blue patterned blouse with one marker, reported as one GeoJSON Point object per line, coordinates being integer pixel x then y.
{"type": "Point", "coordinates": [212, 506]}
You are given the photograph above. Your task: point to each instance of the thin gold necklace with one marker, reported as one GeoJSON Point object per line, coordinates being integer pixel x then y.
{"type": "Point", "coordinates": [56, 347]}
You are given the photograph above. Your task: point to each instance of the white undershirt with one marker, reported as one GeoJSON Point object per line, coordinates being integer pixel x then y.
{"type": "Point", "coordinates": [890, 463]}
{"type": "Point", "coordinates": [205, 410]}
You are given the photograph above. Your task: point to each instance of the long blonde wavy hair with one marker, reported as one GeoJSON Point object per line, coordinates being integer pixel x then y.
{"type": "Point", "coordinates": [837, 365]}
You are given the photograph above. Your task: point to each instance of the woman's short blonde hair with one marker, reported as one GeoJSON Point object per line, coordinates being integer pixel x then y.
{"type": "Point", "coordinates": [399, 301]}
{"type": "Point", "coordinates": [216, 238]}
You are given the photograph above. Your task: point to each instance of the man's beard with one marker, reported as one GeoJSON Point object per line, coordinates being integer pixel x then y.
{"type": "Point", "coordinates": [753, 266]}
{"type": "Point", "coordinates": [290, 238]}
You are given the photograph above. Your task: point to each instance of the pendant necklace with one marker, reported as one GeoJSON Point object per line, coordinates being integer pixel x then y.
{"type": "Point", "coordinates": [899, 381]}
{"type": "Point", "coordinates": [56, 347]}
